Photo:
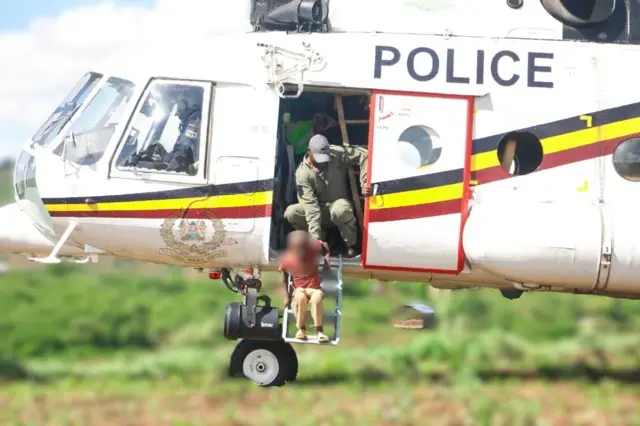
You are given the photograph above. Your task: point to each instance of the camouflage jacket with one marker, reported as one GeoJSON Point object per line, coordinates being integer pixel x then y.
{"type": "Point", "coordinates": [321, 189]}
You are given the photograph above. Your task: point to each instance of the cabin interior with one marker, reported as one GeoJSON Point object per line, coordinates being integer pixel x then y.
{"type": "Point", "coordinates": [519, 153]}
{"type": "Point", "coordinates": [315, 100]}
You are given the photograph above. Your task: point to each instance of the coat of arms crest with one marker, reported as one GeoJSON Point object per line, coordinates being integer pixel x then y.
{"type": "Point", "coordinates": [192, 230]}
{"type": "Point", "coordinates": [198, 241]}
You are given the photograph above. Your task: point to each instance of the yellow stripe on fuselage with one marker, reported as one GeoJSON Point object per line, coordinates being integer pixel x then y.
{"type": "Point", "coordinates": [215, 201]}
{"type": "Point", "coordinates": [419, 196]}
{"type": "Point", "coordinates": [489, 159]}
{"type": "Point", "coordinates": [553, 144]}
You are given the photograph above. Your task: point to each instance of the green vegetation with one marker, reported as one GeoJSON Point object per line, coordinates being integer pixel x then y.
{"type": "Point", "coordinates": [68, 308]}
{"type": "Point", "coordinates": [128, 343]}
{"type": "Point", "coordinates": [6, 182]}
{"type": "Point", "coordinates": [117, 335]}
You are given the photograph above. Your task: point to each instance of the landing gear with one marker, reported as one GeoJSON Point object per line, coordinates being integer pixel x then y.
{"type": "Point", "coordinates": [262, 355]}
{"type": "Point", "coordinates": [265, 363]}
{"type": "Point", "coordinates": [511, 294]}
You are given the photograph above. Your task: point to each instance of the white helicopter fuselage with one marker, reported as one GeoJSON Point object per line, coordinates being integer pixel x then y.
{"type": "Point", "coordinates": [563, 220]}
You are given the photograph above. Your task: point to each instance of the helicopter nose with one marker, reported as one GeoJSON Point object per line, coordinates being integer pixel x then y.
{"type": "Point", "coordinates": [19, 235]}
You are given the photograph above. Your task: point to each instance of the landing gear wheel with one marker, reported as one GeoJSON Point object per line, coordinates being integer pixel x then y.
{"type": "Point", "coordinates": [291, 363]}
{"type": "Point", "coordinates": [265, 363]}
{"type": "Point", "coordinates": [511, 294]}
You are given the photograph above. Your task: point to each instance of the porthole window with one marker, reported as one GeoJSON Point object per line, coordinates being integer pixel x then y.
{"type": "Point", "coordinates": [580, 13]}
{"type": "Point", "coordinates": [419, 146]}
{"type": "Point", "coordinates": [514, 4]}
{"type": "Point", "coordinates": [626, 159]}
{"type": "Point", "coordinates": [520, 153]}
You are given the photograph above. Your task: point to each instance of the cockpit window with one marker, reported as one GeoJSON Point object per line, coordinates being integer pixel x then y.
{"type": "Point", "coordinates": [92, 130]}
{"type": "Point", "coordinates": [25, 174]}
{"type": "Point", "coordinates": [28, 197]}
{"type": "Point", "coordinates": [166, 132]}
{"type": "Point", "coordinates": [56, 122]}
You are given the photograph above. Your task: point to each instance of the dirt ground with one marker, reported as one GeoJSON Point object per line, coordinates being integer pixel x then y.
{"type": "Point", "coordinates": [508, 404]}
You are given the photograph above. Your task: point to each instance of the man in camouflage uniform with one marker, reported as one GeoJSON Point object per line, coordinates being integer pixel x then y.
{"type": "Point", "coordinates": [185, 150]}
{"type": "Point", "coordinates": [322, 191]}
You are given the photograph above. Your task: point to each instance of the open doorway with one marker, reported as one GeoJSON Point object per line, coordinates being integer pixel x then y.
{"type": "Point", "coordinates": [317, 111]}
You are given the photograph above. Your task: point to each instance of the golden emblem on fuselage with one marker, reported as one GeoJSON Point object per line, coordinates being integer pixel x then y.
{"type": "Point", "coordinates": [197, 240]}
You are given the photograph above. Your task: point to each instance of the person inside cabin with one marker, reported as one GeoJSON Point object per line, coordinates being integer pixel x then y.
{"type": "Point", "coordinates": [322, 191]}
{"type": "Point", "coordinates": [301, 261]}
{"type": "Point", "coordinates": [183, 155]}
{"type": "Point", "coordinates": [298, 133]}
{"type": "Point", "coordinates": [185, 151]}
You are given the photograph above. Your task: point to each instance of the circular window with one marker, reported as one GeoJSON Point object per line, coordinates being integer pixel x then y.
{"type": "Point", "coordinates": [514, 4]}
{"type": "Point", "coordinates": [520, 153]}
{"type": "Point", "coordinates": [580, 13]}
{"type": "Point", "coordinates": [626, 159]}
{"type": "Point", "coordinates": [419, 146]}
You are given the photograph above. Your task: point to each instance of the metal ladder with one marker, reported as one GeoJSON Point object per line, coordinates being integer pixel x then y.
{"type": "Point", "coordinates": [332, 288]}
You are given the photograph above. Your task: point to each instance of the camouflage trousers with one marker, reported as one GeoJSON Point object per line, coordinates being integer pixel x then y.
{"type": "Point", "coordinates": [338, 213]}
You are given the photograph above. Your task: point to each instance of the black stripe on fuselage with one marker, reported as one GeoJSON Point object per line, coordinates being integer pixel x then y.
{"type": "Point", "coordinates": [204, 191]}
{"type": "Point", "coordinates": [486, 144]}
{"type": "Point", "coordinates": [564, 126]}
{"type": "Point", "coordinates": [490, 143]}
{"type": "Point", "coordinates": [421, 182]}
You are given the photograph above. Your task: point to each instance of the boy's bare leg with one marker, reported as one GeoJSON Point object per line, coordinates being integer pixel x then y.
{"type": "Point", "coordinates": [299, 304]}
{"type": "Point", "coordinates": [315, 299]}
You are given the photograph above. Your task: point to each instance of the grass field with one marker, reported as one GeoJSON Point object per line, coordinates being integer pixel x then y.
{"type": "Point", "coordinates": [88, 345]}
{"type": "Point", "coordinates": [124, 343]}
{"type": "Point", "coordinates": [174, 401]}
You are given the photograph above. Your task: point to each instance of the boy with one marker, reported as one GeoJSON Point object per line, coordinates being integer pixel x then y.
{"type": "Point", "coordinates": [301, 261]}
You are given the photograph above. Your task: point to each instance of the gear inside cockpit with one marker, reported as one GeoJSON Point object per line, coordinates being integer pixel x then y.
{"type": "Point", "coordinates": [172, 140]}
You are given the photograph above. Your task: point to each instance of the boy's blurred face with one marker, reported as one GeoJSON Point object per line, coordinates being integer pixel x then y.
{"type": "Point", "coordinates": [297, 242]}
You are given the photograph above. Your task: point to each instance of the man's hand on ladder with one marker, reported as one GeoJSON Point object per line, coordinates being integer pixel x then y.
{"type": "Point", "coordinates": [367, 190]}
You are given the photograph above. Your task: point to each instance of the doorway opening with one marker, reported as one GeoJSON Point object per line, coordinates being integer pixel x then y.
{"type": "Point", "coordinates": [317, 111]}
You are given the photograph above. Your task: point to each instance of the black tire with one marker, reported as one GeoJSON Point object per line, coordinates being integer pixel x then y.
{"type": "Point", "coordinates": [237, 358]}
{"type": "Point", "coordinates": [292, 362]}
{"type": "Point", "coordinates": [272, 356]}
{"type": "Point", "coordinates": [511, 294]}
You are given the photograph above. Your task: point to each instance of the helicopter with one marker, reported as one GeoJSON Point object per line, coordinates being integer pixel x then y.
{"type": "Point", "coordinates": [502, 153]}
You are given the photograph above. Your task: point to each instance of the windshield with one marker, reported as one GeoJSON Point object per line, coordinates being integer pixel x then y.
{"type": "Point", "coordinates": [25, 174]}
{"type": "Point", "coordinates": [93, 129]}
{"type": "Point", "coordinates": [29, 200]}
{"type": "Point", "coordinates": [52, 127]}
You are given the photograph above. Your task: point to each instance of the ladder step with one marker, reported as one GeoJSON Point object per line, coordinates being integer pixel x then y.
{"type": "Point", "coordinates": [330, 288]}
{"type": "Point", "coordinates": [328, 318]}
{"type": "Point", "coordinates": [311, 339]}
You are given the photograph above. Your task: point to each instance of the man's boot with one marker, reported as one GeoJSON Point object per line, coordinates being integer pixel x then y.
{"type": "Point", "coordinates": [351, 253]}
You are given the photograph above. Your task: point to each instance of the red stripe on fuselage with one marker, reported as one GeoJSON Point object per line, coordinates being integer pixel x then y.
{"type": "Point", "coordinates": [417, 211]}
{"type": "Point", "coordinates": [245, 212]}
